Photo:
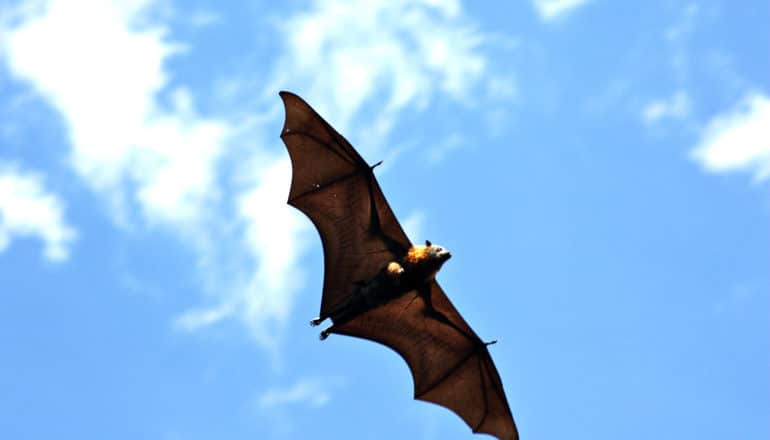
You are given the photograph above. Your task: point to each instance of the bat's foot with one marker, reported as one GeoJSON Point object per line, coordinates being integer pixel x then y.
{"type": "Point", "coordinates": [325, 332]}
{"type": "Point", "coordinates": [315, 321]}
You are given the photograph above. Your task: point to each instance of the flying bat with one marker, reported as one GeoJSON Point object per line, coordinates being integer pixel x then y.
{"type": "Point", "coordinates": [378, 286]}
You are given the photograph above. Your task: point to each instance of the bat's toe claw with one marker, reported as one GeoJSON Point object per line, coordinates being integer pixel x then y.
{"type": "Point", "coordinates": [315, 321]}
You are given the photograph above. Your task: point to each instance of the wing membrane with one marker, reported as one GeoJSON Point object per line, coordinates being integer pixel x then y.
{"type": "Point", "coordinates": [337, 190]}
{"type": "Point", "coordinates": [449, 368]}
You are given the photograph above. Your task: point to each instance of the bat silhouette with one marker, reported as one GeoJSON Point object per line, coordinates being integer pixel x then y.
{"type": "Point", "coordinates": [378, 286]}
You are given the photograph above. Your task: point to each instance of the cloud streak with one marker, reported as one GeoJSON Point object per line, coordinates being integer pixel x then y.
{"type": "Point", "coordinates": [676, 106]}
{"type": "Point", "coordinates": [312, 392]}
{"type": "Point", "coordinates": [274, 240]}
{"type": "Point", "coordinates": [551, 10]}
{"type": "Point", "coordinates": [28, 209]}
{"type": "Point", "coordinates": [346, 53]}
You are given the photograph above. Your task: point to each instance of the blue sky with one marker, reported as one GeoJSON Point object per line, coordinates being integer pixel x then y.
{"type": "Point", "coordinates": [599, 170]}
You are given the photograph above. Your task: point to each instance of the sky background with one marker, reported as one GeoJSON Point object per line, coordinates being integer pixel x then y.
{"type": "Point", "coordinates": [600, 171]}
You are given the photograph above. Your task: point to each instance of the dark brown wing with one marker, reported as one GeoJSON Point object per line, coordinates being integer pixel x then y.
{"type": "Point", "coordinates": [337, 190]}
{"type": "Point", "coordinates": [451, 368]}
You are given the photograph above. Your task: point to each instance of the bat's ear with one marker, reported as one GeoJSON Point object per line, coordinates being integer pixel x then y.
{"type": "Point", "coordinates": [428, 243]}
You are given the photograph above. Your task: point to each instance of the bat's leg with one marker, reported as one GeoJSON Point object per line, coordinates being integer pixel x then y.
{"type": "Point", "coordinates": [325, 332]}
{"type": "Point", "coordinates": [338, 311]}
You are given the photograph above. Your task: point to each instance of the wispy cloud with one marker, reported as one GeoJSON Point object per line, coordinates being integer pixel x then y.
{"type": "Point", "coordinates": [738, 139]}
{"type": "Point", "coordinates": [274, 237]}
{"type": "Point", "coordinates": [28, 209]}
{"type": "Point", "coordinates": [203, 18]}
{"type": "Point", "coordinates": [440, 150]}
{"type": "Point", "coordinates": [140, 144]}
{"type": "Point", "coordinates": [678, 36]}
{"type": "Point", "coordinates": [313, 392]}
{"type": "Point", "coordinates": [676, 106]}
{"type": "Point", "coordinates": [685, 25]}
{"type": "Point", "coordinates": [413, 226]}
{"type": "Point", "coordinates": [345, 53]}
{"type": "Point", "coordinates": [550, 10]}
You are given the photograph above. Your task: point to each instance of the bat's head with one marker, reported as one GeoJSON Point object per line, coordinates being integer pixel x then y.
{"type": "Point", "coordinates": [427, 259]}
{"type": "Point", "coordinates": [437, 252]}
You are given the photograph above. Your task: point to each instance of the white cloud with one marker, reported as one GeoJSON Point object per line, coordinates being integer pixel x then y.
{"type": "Point", "coordinates": [676, 106]}
{"type": "Point", "coordinates": [102, 66]}
{"type": "Point", "coordinates": [28, 209]}
{"type": "Point", "coordinates": [274, 238]}
{"type": "Point", "coordinates": [738, 139]}
{"type": "Point", "coordinates": [104, 72]}
{"type": "Point", "coordinates": [343, 53]}
{"type": "Point", "coordinates": [550, 10]}
{"type": "Point", "coordinates": [313, 392]}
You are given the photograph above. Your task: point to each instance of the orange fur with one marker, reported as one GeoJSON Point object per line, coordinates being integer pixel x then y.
{"type": "Point", "coordinates": [416, 254]}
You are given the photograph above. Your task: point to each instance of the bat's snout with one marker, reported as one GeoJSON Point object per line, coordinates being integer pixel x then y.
{"type": "Point", "coordinates": [440, 253]}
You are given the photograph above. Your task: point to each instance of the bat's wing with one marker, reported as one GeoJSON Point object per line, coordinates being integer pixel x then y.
{"type": "Point", "coordinates": [450, 365]}
{"type": "Point", "coordinates": [337, 190]}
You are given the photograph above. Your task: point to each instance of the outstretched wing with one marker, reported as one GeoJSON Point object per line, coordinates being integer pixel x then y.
{"type": "Point", "coordinates": [450, 365]}
{"type": "Point", "coordinates": [337, 190]}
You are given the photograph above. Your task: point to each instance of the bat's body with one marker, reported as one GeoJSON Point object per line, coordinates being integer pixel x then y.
{"type": "Point", "coordinates": [378, 286]}
{"type": "Point", "coordinates": [413, 272]}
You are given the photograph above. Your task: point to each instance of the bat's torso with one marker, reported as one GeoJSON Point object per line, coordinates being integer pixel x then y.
{"type": "Point", "coordinates": [417, 268]}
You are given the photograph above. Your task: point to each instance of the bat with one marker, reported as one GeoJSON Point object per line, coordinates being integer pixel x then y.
{"type": "Point", "coordinates": [380, 287]}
